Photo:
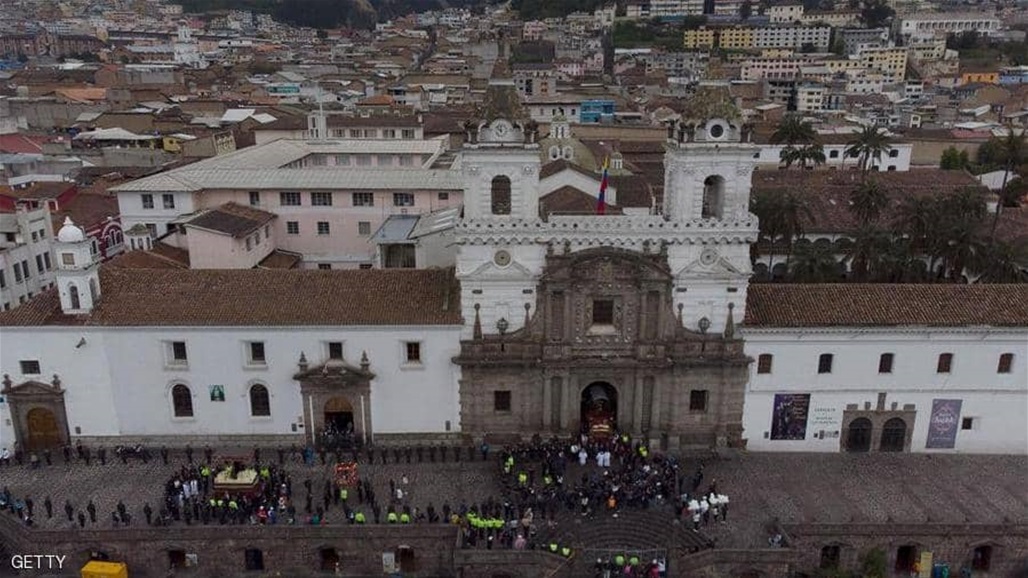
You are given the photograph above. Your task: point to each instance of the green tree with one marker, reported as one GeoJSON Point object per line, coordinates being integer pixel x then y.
{"type": "Point", "coordinates": [815, 263]}
{"type": "Point", "coordinates": [868, 201]}
{"type": "Point", "coordinates": [874, 564]}
{"type": "Point", "coordinates": [875, 13]}
{"type": "Point", "coordinates": [1012, 152]}
{"type": "Point", "coordinates": [866, 252]}
{"type": "Point", "coordinates": [792, 130]}
{"type": "Point", "coordinates": [745, 10]}
{"type": "Point", "coordinates": [953, 159]}
{"type": "Point", "coordinates": [781, 217]}
{"type": "Point", "coordinates": [869, 146]}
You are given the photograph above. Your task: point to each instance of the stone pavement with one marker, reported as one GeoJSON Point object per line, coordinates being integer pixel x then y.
{"type": "Point", "coordinates": [794, 488]}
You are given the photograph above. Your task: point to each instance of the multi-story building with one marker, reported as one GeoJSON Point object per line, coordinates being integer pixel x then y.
{"type": "Point", "coordinates": [328, 196]}
{"type": "Point", "coordinates": [798, 37]}
{"type": "Point", "coordinates": [892, 62]}
{"type": "Point", "coordinates": [675, 8]}
{"type": "Point", "coordinates": [735, 38]}
{"type": "Point", "coordinates": [535, 79]}
{"type": "Point", "coordinates": [26, 259]}
{"type": "Point", "coordinates": [856, 39]}
{"type": "Point", "coordinates": [785, 13]}
{"type": "Point", "coordinates": [810, 97]}
{"type": "Point", "coordinates": [928, 25]}
{"type": "Point", "coordinates": [699, 38]}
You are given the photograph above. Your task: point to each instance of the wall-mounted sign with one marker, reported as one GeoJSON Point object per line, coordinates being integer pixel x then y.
{"type": "Point", "coordinates": [789, 416]}
{"type": "Point", "coordinates": [943, 424]}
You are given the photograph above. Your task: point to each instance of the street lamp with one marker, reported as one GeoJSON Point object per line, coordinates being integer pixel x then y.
{"type": "Point", "coordinates": [502, 326]}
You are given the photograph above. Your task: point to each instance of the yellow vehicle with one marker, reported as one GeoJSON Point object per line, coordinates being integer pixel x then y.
{"type": "Point", "coordinates": [98, 569]}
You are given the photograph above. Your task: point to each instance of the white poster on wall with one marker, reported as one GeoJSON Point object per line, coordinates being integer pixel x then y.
{"type": "Point", "coordinates": [389, 563]}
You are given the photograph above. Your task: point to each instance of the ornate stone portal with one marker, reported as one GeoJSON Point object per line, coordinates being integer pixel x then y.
{"type": "Point", "coordinates": [37, 413]}
{"type": "Point", "coordinates": [336, 394]}
{"type": "Point", "coordinates": [605, 317]}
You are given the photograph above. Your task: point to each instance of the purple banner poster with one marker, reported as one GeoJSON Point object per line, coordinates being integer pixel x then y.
{"type": "Point", "coordinates": [944, 424]}
{"type": "Point", "coordinates": [789, 416]}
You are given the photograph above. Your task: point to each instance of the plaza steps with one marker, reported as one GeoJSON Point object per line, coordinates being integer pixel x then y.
{"type": "Point", "coordinates": [640, 530]}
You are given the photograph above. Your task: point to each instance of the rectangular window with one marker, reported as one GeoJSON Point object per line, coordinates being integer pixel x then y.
{"type": "Point", "coordinates": [444, 196]}
{"type": "Point", "coordinates": [824, 363]}
{"type": "Point", "coordinates": [289, 199]}
{"type": "Point", "coordinates": [413, 352]}
{"type": "Point", "coordinates": [1006, 363]}
{"type": "Point", "coordinates": [147, 200]}
{"type": "Point", "coordinates": [501, 400]}
{"type": "Point", "coordinates": [152, 228]}
{"type": "Point", "coordinates": [39, 263]}
{"type": "Point", "coordinates": [363, 228]}
{"type": "Point", "coordinates": [603, 312]}
{"type": "Point", "coordinates": [764, 361]}
{"type": "Point", "coordinates": [249, 243]}
{"type": "Point", "coordinates": [885, 363]}
{"type": "Point", "coordinates": [385, 160]}
{"type": "Point", "coordinates": [403, 199]}
{"type": "Point", "coordinates": [178, 352]}
{"type": "Point", "coordinates": [17, 272]}
{"type": "Point", "coordinates": [355, 133]}
{"type": "Point", "coordinates": [342, 160]}
{"type": "Point", "coordinates": [364, 199]}
{"type": "Point", "coordinates": [325, 266]}
{"type": "Point", "coordinates": [42, 234]}
{"type": "Point", "coordinates": [389, 133]}
{"type": "Point", "coordinates": [168, 201]}
{"type": "Point", "coordinates": [323, 228]}
{"type": "Point", "coordinates": [255, 198]}
{"type": "Point", "coordinates": [364, 266]}
{"type": "Point", "coordinates": [321, 199]}
{"type": "Point", "coordinates": [292, 227]}
{"type": "Point", "coordinates": [25, 268]}
{"type": "Point", "coordinates": [370, 133]}
{"type": "Point", "coordinates": [408, 133]}
{"type": "Point", "coordinates": [256, 351]}
{"type": "Point", "coordinates": [335, 350]}
{"type": "Point", "coordinates": [46, 261]}
{"type": "Point", "coordinates": [30, 367]}
{"type": "Point", "coordinates": [833, 154]}
{"type": "Point", "coordinates": [3, 279]}
{"type": "Point", "coordinates": [35, 237]}
{"type": "Point", "coordinates": [267, 231]}
{"type": "Point", "coordinates": [698, 400]}
{"type": "Point", "coordinates": [363, 160]}
{"type": "Point", "coordinates": [945, 363]}
{"type": "Point", "coordinates": [893, 153]}
{"type": "Point", "coordinates": [406, 161]}
{"type": "Point", "coordinates": [967, 423]}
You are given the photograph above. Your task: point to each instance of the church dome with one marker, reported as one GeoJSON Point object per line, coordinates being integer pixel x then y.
{"type": "Point", "coordinates": [69, 233]}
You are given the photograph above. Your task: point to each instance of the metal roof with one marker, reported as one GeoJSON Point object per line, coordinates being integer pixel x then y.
{"type": "Point", "coordinates": [395, 229]}
{"type": "Point", "coordinates": [296, 180]}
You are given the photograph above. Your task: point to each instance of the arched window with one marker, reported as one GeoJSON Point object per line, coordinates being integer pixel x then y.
{"type": "Point", "coordinates": [830, 557]}
{"type": "Point", "coordinates": [73, 297]}
{"type": "Point", "coordinates": [260, 404]}
{"type": "Point", "coordinates": [894, 435]}
{"type": "Point", "coordinates": [713, 197]}
{"type": "Point", "coordinates": [500, 195]}
{"type": "Point", "coordinates": [93, 293]}
{"type": "Point", "coordinates": [182, 400]}
{"type": "Point", "coordinates": [858, 438]}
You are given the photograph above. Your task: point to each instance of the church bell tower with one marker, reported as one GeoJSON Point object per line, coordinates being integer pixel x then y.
{"type": "Point", "coordinates": [78, 270]}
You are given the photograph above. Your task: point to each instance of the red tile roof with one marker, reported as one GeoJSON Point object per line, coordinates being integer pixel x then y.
{"type": "Point", "coordinates": [827, 193]}
{"type": "Point", "coordinates": [568, 200]}
{"type": "Point", "coordinates": [257, 297]}
{"type": "Point", "coordinates": [87, 210]}
{"type": "Point", "coordinates": [21, 143]}
{"type": "Point", "coordinates": [867, 305]}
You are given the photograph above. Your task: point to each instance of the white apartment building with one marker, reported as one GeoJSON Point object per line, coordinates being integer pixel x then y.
{"type": "Point", "coordinates": [810, 97]}
{"type": "Point", "coordinates": [792, 37]}
{"type": "Point", "coordinates": [675, 8]}
{"type": "Point", "coordinates": [26, 258]}
{"type": "Point", "coordinates": [921, 26]}
{"type": "Point", "coordinates": [891, 62]}
{"type": "Point", "coordinates": [785, 13]}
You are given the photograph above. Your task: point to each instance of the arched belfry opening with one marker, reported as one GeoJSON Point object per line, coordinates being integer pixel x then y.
{"type": "Point", "coordinates": [499, 196]}
{"type": "Point", "coordinates": [599, 410]}
{"type": "Point", "coordinates": [713, 197]}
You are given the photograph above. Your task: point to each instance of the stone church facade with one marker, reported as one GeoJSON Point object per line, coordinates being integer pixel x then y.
{"type": "Point", "coordinates": [636, 310]}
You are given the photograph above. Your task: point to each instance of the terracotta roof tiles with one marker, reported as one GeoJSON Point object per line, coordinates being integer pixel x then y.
{"type": "Point", "coordinates": [864, 305]}
{"type": "Point", "coordinates": [257, 298]}
{"type": "Point", "coordinates": [232, 219]}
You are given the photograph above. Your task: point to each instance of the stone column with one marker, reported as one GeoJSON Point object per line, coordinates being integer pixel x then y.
{"type": "Point", "coordinates": [655, 420]}
{"type": "Point", "coordinates": [637, 408]}
{"type": "Point", "coordinates": [547, 404]}
{"type": "Point", "coordinates": [565, 411]}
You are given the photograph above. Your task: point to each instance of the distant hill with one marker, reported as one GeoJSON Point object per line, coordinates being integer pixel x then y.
{"type": "Point", "coordinates": [330, 13]}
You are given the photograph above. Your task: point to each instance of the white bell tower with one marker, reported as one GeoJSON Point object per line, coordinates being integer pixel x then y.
{"type": "Point", "coordinates": [709, 167]}
{"type": "Point", "coordinates": [78, 271]}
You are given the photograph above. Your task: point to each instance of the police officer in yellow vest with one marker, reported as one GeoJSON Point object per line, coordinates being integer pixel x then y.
{"type": "Point", "coordinates": [405, 518]}
{"type": "Point", "coordinates": [633, 561]}
{"type": "Point", "coordinates": [392, 518]}
{"type": "Point", "coordinates": [620, 561]}
{"type": "Point", "coordinates": [554, 547]}
{"type": "Point", "coordinates": [522, 478]}
{"type": "Point", "coordinates": [344, 494]}
{"type": "Point", "coordinates": [359, 518]}
{"type": "Point", "coordinates": [566, 552]}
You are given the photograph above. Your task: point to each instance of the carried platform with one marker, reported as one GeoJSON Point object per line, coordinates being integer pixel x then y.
{"type": "Point", "coordinates": [99, 569]}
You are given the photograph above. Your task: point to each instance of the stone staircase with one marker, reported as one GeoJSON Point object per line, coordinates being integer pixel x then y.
{"type": "Point", "coordinates": [632, 529]}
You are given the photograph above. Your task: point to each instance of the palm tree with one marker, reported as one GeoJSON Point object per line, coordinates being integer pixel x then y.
{"type": "Point", "coordinates": [1013, 151]}
{"type": "Point", "coordinates": [794, 213]}
{"type": "Point", "coordinates": [868, 201]}
{"type": "Point", "coordinates": [957, 241]}
{"type": "Point", "coordinates": [918, 220]}
{"type": "Point", "coordinates": [865, 254]}
{"type": "Point", "coordinates": [815, 263]}
{"type": "Point", "coordinates": [781, 216]}
{"type": "Point", "coordinates": [869, 146]}
{"type": "Point", "coordinates": [1002, 262]}
{"type": "Point", "coordinates": [793, 130]}
{"type": "Point", "coordinates": [813, 153]}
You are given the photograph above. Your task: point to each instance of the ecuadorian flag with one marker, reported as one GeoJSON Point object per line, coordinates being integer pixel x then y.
{"type": "Point", "coordinates": [601, 202]}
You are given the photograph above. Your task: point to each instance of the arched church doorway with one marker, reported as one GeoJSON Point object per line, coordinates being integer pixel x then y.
{"type": "Point", "coordinates": [405, 559]}
{"type": "Point", "coordinates": [43, 431]}
{"type": "Point", "coordinates": [894, 435]}
{"type": "Point", "coordinates": [338, 416]}
{"type": "Point", "coordinates": [859, 437]}
{"type": "Point", "coordinates": [599, 410]}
